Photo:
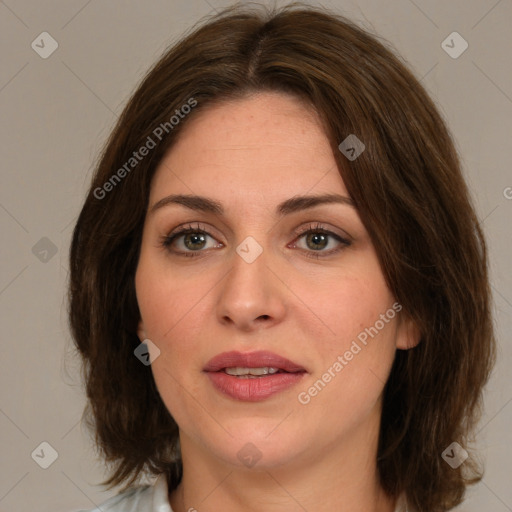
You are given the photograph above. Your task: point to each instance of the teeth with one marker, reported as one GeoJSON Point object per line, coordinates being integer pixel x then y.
{"type": "Point", "coordinates": [238, 371]}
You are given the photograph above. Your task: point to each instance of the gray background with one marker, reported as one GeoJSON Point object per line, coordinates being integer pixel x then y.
{"type": "Point", "coordinates": [56, 113]}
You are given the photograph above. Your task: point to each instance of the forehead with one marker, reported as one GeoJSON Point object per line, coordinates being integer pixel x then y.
{"type": "Point", "coordinates": [268, 145]}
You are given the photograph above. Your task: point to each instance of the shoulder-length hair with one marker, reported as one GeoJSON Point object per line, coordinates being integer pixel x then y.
{"type": "Point", "coordinates": [409, 191]}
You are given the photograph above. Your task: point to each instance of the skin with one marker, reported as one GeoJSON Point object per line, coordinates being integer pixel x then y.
{"type": "Point", "coordinates": [250, 155]}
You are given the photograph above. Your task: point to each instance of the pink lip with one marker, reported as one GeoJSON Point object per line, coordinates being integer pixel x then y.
{"type": "Point", "coordinates": [259, 359]}
{"type": "Point", "coordinates": [252, 389]}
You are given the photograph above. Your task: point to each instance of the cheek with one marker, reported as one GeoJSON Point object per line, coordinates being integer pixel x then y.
{"type": "Point", "coordinates": [173, 309]}
{"type": "Point", "coordinates": [167, 300]}
{"type": "Point", "coordinates": [356, 361]}
{"type": "Point", "coordinates": [345, 306]}
{"type": "Point", "coordinates": [357, 348]}
{"type": "Point", "coordinates": [170, 309]}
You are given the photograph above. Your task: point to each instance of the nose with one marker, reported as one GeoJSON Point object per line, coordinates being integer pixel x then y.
{"type": "Point", "coordinates": [251, 296]}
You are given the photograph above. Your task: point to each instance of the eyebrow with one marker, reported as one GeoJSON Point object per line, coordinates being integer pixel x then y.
{"type": "Point", "coordinates": [292, 205]}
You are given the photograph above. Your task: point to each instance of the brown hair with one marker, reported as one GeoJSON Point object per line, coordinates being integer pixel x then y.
{"type": "Point", "coordinates": [410, 194]}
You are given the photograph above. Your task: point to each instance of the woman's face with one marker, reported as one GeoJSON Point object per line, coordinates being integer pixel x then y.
{"type": "Point", "coordinates": [263, 275]}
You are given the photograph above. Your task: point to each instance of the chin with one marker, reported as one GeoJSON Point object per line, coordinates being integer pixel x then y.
{"type": "Point", "coordinates": [260, 444]}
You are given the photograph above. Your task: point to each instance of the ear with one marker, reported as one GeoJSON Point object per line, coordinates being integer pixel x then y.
{"type": "Point", "coordinates": [141, 331]}
{"type": "Point", "coordinates": [408, 334]}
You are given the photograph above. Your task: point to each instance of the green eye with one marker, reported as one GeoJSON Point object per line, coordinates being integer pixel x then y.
{"type": "Point", "coordinates": [191, 240]}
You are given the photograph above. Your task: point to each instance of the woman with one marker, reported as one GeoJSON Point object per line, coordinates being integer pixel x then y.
{"type": "Point", "coordinates": [278, 282]}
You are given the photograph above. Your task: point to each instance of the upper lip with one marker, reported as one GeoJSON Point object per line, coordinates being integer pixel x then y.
{"type": "Point", "coordinates": [260, 359]}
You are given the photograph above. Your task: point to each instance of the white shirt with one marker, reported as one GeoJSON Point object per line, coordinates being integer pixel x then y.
{"type": "Point", "coordinates": [154, 498]}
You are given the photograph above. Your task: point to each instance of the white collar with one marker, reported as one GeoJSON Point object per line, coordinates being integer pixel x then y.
{"type": "Point", "coordinates": [161, 495]}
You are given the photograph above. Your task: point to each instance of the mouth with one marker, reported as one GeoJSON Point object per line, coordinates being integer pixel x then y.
{"type": "Point", "coordinates": [252, 364]}
{"type": "Point", "coordinates": [251, 373]}
{"type": "Point", "coordinates": [253, 376]}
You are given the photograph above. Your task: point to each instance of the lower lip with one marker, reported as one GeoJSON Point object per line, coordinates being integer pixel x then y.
{"type": "Point", "coordinates": [253, 389]}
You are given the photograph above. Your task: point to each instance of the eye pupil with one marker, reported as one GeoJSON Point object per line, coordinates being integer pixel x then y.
{"type": "Point", "coordinates": [191, 239]}
{"type": "Point", "coordinates": [319, 240]}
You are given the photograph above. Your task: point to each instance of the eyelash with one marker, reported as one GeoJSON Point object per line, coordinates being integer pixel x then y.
{"type": "Point", "coordinates": [168, 240]}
